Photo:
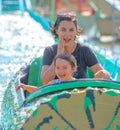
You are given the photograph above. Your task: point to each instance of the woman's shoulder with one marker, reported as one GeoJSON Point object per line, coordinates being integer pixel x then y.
{"type": "Point", "coordinates": [82, 45]}
{"type": "Point", "coordinates": [52, 47]}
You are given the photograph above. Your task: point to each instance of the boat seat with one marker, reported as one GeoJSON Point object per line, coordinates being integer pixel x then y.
{"type": "Point", "coordinates": [110, 65]}
{"type": "Point", "coordinates": [89, 73]}
{"type": "Point", "coordinates": [36, 66]}
{"type": "Point", "coordinates": [34, 73]}
{"type": "Point", "coordinates": [35, 70]}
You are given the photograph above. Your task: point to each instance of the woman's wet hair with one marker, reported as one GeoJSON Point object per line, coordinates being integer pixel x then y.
{"type": "Point", "coordinates": [68, 16]}
{"type": "Point", "coordinates": [68, 57]}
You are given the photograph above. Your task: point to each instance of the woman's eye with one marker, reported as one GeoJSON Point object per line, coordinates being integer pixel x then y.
{"type": "Point", "coordinates": [72, 30]}
{"type": "Point", "coordinates": [65, 67]}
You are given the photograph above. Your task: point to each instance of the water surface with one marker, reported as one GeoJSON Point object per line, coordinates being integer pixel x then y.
{"type": "Point", "coordinates": [21, 39]}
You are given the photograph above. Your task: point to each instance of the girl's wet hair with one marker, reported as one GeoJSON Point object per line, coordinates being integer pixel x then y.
{"type": "Point", "coordinates": [68, 16]}
{"type": "Point", "coordinates": [68, 57]}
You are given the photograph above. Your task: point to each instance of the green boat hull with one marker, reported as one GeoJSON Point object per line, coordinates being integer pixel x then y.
{"type": "Point", "coordinates": [75, 109]}
{"type": "Point", "coordinates": [81, 104]}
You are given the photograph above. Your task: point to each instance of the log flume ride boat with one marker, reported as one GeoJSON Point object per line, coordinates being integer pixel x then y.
{"type": "Point", "coordinates": [84, 104]}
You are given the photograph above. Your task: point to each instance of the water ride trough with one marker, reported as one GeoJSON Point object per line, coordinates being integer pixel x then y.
{"type": "Point", "coordinates": [82, 104]}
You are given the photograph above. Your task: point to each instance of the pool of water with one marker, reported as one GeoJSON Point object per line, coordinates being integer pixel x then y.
{"type": "Point", "coordinates": [21, 39]}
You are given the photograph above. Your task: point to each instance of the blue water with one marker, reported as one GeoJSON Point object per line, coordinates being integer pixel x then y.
{"type": "Point", "coordinates": [21, 39]}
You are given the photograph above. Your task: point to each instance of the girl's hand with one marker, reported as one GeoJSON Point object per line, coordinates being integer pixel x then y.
{"type": "Point", "coordinates": [102, 74]}
{"type": "Point", "coordinates": [20, 86]}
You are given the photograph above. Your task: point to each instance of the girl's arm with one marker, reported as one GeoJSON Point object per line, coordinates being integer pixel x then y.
{"type": "Point", "coordinates": [26, 87]}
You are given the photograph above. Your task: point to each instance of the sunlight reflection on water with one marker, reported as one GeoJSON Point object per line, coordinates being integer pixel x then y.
{"type": "Point", "coordinates": [20, 40]}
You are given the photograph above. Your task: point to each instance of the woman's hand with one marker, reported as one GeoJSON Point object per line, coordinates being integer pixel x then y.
{"type": "Point", "coordinates": [102, 74]}
{"type": "Point", "coordinates": [60, 48]}
{"type": "Point", "coordinates": [61, 44]}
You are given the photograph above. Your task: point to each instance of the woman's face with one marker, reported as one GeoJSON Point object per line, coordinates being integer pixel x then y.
{"type": "Point", "coordinates": [64, 70]}
{"type": "Point", "coordinates": [66, 32]}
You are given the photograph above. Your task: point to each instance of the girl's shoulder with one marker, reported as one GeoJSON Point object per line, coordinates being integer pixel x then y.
{"type": "Point", "coordinates": [57, 81]}
{"type": "Point", "coordinates": [51, 82]}
{"type": "Point", "coordinates": [54, 81]}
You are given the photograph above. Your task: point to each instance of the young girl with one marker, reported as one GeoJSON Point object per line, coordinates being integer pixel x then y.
{"type": "Point", "coordinates": [65, 66]}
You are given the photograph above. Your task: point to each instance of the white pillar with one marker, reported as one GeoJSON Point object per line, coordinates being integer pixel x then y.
{"type": "Point", "coordinates": [0, 7]}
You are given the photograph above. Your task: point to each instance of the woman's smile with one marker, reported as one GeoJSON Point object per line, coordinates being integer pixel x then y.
{"type": "Point", "coordinates": [66, 40]}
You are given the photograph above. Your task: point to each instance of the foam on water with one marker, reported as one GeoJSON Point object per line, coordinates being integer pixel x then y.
{"type": "Point", "coordinates": [21, 39]}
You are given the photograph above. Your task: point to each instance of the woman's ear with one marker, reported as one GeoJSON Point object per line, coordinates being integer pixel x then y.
{"type": "Point", "coordinates": [56, 30]}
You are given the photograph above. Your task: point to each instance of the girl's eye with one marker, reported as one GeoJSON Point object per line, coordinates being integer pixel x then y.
{"type": "Point", "coordinates": [57, 67]}
{"type": "Point", "coordinates": [65, 67]}
{"type": "Point", "coordinates": [63, 29]}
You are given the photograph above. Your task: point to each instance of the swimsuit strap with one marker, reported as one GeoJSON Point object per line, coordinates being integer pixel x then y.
{"type": "Point", "coordinates": [57, 81]}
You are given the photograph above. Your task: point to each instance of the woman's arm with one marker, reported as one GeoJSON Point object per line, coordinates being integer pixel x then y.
{"type": "Point", "coordinates": [99, 72]}
{"type": "Point", "coordinates": [47, 73]}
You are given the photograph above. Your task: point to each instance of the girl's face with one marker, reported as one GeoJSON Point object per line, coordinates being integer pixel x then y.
{"type": "Point", "coordinates": [66, 32]}
{"type": "Point", "coordinates": [64, 70]}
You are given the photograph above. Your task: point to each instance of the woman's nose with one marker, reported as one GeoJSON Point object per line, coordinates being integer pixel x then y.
{"type": "Point", "coordinates": [67, 34]}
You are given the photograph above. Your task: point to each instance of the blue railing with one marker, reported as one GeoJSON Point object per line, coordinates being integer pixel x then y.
{"type": "Point", "coordinates": [9, 6]}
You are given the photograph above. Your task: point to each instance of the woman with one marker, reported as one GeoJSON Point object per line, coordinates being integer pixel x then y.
{"type": "Point", "coordinates": [66, 30]}
{"type": "Point", "coordinates": [65, 66]}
